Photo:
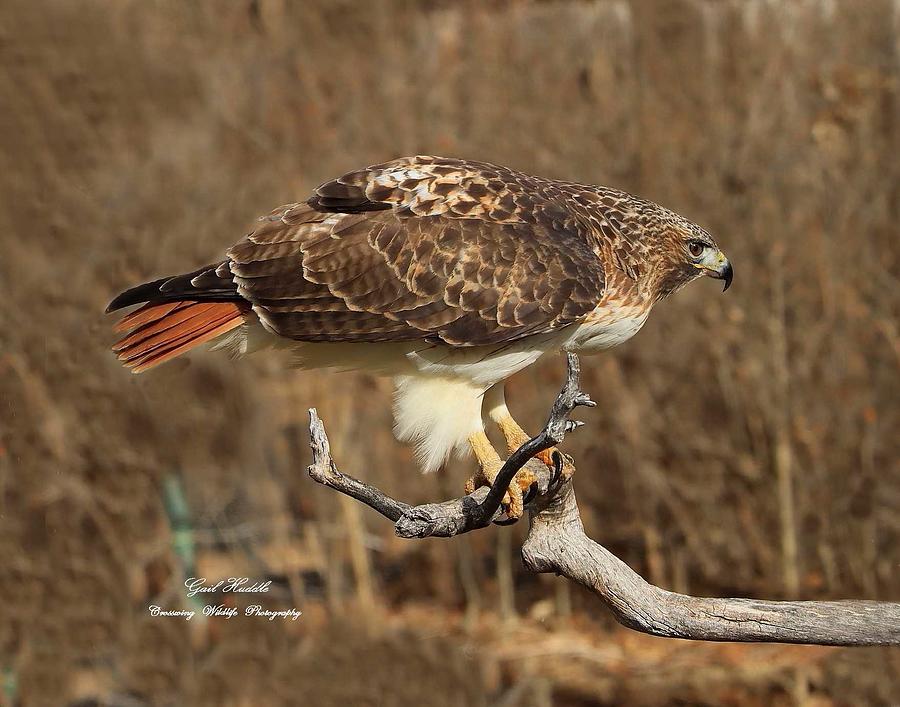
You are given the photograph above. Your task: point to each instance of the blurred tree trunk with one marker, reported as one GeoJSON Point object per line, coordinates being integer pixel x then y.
{"type": "Point", "coordinates": [469, 579]}
{"type": "Point", "coordinates": [359, 556]}
{"type": "Point", "coordinates": [781, 419]}
{"type": "Point", "coordinates": [505, 584]}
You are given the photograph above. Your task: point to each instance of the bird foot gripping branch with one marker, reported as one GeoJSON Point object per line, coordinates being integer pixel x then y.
{"type": "Point", "coordinates": [490, 463]}
{"type": "Point", "coordinates": [513, 501]}
{"type": "Point", "coordinates": [482, 506]}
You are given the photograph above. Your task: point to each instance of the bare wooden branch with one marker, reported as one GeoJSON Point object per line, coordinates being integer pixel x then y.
{"type": "Point", "coordinates": [556, 542]}
{"type": "Point", "coordinates": [325, 472]}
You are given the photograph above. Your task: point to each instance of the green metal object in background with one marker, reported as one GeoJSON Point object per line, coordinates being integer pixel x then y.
{"type": "Point", "coordinates": [179, 515]}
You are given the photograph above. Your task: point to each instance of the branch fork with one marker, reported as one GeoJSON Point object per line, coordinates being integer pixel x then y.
{"type": "Point", "coordinates": [556, 542]}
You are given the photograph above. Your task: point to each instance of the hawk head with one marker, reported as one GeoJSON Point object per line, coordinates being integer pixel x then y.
{"type": "Point", "coordinates": [685, 251]}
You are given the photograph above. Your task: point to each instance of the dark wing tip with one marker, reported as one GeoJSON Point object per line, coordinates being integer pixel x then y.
{"type": "Point", "coordinates": [206, 283]}
{"type": "Point", "coordinates": [136, 295]}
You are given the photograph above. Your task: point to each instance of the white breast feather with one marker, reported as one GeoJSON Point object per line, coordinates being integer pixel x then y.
{"type": "Point", "coordinates": [601, 333]}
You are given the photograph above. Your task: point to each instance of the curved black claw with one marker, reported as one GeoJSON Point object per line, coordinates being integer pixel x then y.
{"type": "Point", "coordinates": [557, 458]}
{"type": "Point", "coordinates": [532, 492]}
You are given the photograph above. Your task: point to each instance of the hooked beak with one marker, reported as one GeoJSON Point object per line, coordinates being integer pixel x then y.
{"type": "Point", "coordinates": [721, 270]}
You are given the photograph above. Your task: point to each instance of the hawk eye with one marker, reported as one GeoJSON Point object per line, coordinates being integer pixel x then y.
{"type": "Point", "coordinates": [696, 248]}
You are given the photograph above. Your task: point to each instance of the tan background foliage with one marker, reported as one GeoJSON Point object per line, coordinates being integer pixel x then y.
{"type": "Point", "coordinates": [743, 444]}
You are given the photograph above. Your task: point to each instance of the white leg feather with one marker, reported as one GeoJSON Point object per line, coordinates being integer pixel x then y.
{"type": "Point", "coordinates": [438, 415]}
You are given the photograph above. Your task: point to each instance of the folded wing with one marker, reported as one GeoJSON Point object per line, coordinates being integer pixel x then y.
{"type": "Point", "coordinates": [423, 248]}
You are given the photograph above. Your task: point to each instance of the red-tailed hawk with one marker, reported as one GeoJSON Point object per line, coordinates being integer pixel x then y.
{"type": "Point", "coordinates": [447, 274]}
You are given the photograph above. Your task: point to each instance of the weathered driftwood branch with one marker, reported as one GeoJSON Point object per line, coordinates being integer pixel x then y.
{"type": "Point", "coordinates": [556, 542]}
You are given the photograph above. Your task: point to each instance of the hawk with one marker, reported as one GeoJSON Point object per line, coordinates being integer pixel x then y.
{"type": "Point", "coordinates": [448, 275]}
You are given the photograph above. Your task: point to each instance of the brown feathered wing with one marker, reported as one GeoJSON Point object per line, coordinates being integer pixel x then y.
{"type": "Point", "coordinates": [422, 248]}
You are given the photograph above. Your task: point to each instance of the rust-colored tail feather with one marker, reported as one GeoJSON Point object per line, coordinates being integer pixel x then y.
{"type": "Point", "coordinates": [147, 313]}
{"type": "Point", "coordinates": [158, 332]}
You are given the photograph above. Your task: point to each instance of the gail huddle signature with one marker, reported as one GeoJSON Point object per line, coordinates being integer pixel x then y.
{"type": "Point", "coordinates": [197, 585]}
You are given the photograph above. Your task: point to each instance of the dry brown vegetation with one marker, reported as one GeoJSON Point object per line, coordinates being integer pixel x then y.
{"type": "Point", "coordinates": [742, 444]}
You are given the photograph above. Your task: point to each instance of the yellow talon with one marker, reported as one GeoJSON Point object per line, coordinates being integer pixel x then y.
{"type": "Point", "coordinates": [516, 437]}
{"type": "Point", "coordinates": [489, 465]}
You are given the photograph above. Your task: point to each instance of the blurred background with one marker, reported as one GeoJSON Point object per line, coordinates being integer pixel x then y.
{"type": "Point", "coordinates": [744, 444]}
